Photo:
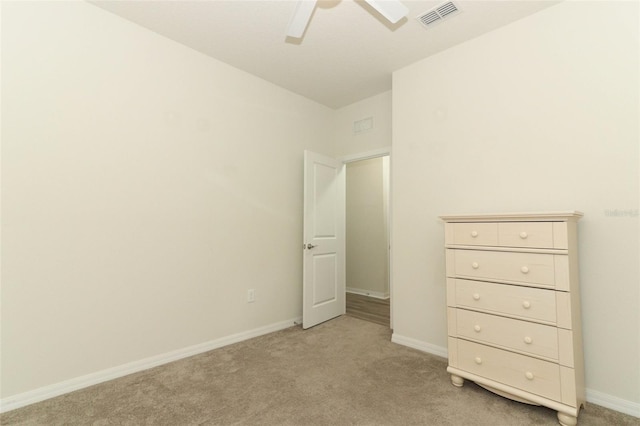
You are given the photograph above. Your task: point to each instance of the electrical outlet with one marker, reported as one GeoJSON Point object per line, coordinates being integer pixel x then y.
{"type": "Point", "coordinates": [251, 295]}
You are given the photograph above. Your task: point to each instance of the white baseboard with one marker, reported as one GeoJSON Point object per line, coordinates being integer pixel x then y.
{"type": "Point", "coordinates": [365, 292]}
{"type": "Point", "coordinates": [56, 389]}
{"type": "Point", "coordinates": [420, 345]}
{"type": "Point", "coordinates": [613, 402]}
{"type": "Point", "coordinates": [595, 397]}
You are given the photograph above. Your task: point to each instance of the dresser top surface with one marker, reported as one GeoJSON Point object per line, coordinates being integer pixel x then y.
{"type": "Point", "coordinates": [549, 216]}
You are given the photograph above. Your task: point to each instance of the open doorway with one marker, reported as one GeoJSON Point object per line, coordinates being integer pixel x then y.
{"type": "Point", "coordinates": [367, 240]}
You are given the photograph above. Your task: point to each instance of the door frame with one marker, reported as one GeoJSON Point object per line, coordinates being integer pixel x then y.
{"type": "Point", "coordinates": [367, 155]}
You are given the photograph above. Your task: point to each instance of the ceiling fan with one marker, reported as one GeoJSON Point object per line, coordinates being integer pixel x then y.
{"type": "Point", "coordinates": [392, 10]}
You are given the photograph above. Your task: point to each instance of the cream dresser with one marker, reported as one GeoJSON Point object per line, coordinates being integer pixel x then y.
{"type": "Point", "coordinates": [513, 307]}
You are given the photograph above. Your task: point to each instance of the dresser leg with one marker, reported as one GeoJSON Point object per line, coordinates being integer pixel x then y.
{"type": "Point", "coordinates": [567, 420]}
{"type": "Point", "coordinates": [457, 380]}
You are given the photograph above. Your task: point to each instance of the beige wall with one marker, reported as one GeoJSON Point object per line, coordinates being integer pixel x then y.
{"type": "Point", "coordinates": [366, 225]}
{"type": "Point", "coordinates": [538, 115]}
{"type": "Point", "coordinates": [140, 183]}
{"type": "Point", "coordinates": [379, 137]}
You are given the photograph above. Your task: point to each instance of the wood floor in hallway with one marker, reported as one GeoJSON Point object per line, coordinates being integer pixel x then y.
{"type": "Point", "coordinates": [369, 308]}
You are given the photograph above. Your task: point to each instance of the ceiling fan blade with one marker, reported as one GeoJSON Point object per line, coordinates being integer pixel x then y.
{"type": "Point", "coordinates": [300, 18]}
{"type": "Point", "coordinates": [392, 10]}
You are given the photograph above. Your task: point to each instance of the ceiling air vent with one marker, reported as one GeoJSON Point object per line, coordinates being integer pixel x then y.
{"type": "Point", "coordinates": [438, 13]}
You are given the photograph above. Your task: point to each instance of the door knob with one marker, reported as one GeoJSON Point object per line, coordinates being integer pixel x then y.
{"type": "Point", "coordinates": [310, 246]}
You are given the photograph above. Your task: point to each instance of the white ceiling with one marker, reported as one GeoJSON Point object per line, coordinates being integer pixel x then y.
{"type": "Point", "coordinates": [347, 54]}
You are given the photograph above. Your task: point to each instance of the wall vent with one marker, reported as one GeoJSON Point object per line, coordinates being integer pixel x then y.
{"type": "Point", "coordinates": [438, 13]}
{"type": "Point", "coordinates": [363, 125]}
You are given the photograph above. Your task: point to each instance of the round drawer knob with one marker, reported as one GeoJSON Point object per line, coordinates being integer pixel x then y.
{"type": "Point", "coordinates": [475, 265]}
{"type": "Point", "coordinates": [526, 304]}
{"type": "Point", "coordinates": [478, 360]}
{"type": "Point", "coordinates": [528, 375]}
{"type": "Point", "coordinates": [523, 235]}
{"type": "Point", "coordinates": [474, 234]}
{"type": "Point", "coordinates": [476, 296]}
{"type": "Point", "coordinates": [528, 340]}
{"type": "Point", "coordinates": [524, 269]}
{"type": "Point", "coordinates": [477, 328]}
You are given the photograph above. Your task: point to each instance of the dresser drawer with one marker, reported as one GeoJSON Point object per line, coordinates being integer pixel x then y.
{"type": "Point", "coordinates": [521, 302]}
{"type": "Point", "coordinates": [523, 336]}
{"type": "Point", "coordinates": [472, 234]}
{"type": "Point", "coordinates": [525, 234]}
{"type": "Point", "coordinates": [520, 371]}
{"type": "Point", "coordinates": [526, 268]}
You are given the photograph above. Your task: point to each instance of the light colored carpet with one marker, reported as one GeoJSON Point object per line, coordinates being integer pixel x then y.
{"type": "Point", "coordinates": [343, 372]}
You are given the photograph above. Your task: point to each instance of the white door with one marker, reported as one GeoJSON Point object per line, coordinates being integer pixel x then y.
{"type": "Point", "coordinates": [324, 239]}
